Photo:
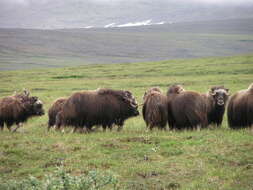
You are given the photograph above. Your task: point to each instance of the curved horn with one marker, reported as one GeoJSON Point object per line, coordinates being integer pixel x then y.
{"type": "Point", "coordinates": [227, 91]}
{"type": "Point", "coordinates": [134, 104]}
{"type": "Point", "coordinates": [212, 92]}
{"type": "Point", "coordinates": [26, 92]}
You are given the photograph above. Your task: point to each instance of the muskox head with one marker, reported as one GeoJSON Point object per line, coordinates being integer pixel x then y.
{"type": "Point", "coordinates": [219, 94]}
{"type": "Point", "coordinates": [175, 89]}
{"type": "Point", "coordinates": [131, 103]}
{"type": "Point", "coordinates": [32, 104]}
{"type": "Point", "coordinates": [150, 91]}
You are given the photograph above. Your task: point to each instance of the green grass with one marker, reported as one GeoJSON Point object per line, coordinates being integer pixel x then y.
{"type": "Point", "coordinates": [206, 159]}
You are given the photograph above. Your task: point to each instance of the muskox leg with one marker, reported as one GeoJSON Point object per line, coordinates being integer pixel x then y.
{"type": "Point", "coordinates": [1, 125]}
{"type": "Point", "coordinates": [49, 127]}
{"type": "Point", "coordinates": [18, 126]}
{"type": "Point", "coordinates": [104, 128]}
{"type": "Point", "coordinates": [8, 125]}
{"type": "Point", "coordinates": [164, 128]}
{"type": "Point", "coordinates": [120, 127]}
{"type": "Point", "coordinates": [151, 127]}
{"type": "Point", "coordinates": [110, 127]}
{"type": "Point", "coordinates": [75, 130]}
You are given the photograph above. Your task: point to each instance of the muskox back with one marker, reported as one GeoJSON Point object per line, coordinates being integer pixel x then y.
{"type": "Point", "coordinates": [155, 109]}
{"type": "Point", "coordinates": [101, 107]}
{"type": "Point", "coordinates": [54, 110]}
{"type": "Point", "coordinates": [240, 109]}
{"type": "Point", "coordinates": [187, 110]}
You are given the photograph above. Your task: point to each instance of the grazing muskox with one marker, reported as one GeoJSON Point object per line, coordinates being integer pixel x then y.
{"type": "Point", "coordinates": [155, 109]}
{"type": "Point", "coordinates": [216, 100]}
{"type": "Point", "coordinates": [103, 107]}
{"type": "Point", "coordinates": [240, 109]}
{"type": "Point", "coordinates": [18, 108]}
{"type": "Point", "coordinates": [54, 110]}
{"type": "Point", "coordinates": [186, 109]}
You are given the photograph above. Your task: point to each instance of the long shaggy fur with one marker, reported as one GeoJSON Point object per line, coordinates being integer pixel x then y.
{"type": "Point", "coordinates": [101, 107]}
{"type": "Point", "coordinates": [186, 109]}
{"type": "Point", "coordinates": [155, 109]}
{"type": "Point", "coordinates": [216, 100]}
{"type": "Point", "coordinates": [54, 110]}
{"type": "Point", "coordinates": [240, 109]}
{"type": "Point", "coordinates": [18, 108]}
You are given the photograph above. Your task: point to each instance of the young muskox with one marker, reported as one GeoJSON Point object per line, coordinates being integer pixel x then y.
{"type": "Point", "coordinates": [100, 107]}
{"type": "Point", "coordinates": [186, 109]}
{"type": "Point", "coordinates": [240, 109]}
{"type": "Point", "coordinates": [18, 108]}
{"type": "Point", "coordinates": [216, 100]}
{"type": "Point", "coordinates": [54, 110]}
{"type": "Point", "coordinates": [155, 108]}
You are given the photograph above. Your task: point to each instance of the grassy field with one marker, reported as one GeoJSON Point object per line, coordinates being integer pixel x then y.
{"type": "Point", "coordinates": [206, 159]}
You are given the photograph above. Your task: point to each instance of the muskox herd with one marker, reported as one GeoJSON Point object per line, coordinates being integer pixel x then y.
{"type": "Point", "coordinates": [179, 108]}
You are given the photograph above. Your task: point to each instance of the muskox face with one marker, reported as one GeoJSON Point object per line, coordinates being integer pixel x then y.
{"type": "Point", "coordinates": [35, 106]}
{"type": "Point", "coordinates": [131, 103]}
{"type": "Point", "coordinates": [220, 95]}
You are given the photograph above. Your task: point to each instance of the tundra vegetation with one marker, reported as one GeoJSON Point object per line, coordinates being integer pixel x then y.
{"type": "Point", "coordinates": [212, 158]}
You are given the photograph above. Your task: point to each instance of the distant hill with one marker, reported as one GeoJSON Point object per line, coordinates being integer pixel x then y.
{"type": "Point", "coordinates": [48, 14]}
{"type": "Point", "coordinates": [29, 48]}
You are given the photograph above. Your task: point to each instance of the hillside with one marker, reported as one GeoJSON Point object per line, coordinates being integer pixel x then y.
{"type": "Point", "coordinates": [207, 159]}
{"type": "Point", "coordinates": [27, 48]}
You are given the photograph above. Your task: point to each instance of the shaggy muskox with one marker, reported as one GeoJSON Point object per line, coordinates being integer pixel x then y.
{"type": "Point", "coordinates": [103, 107]}
{"type": "Point", "coordinates": [240, 109]}
{"type": "Point", "coordinates": [155, 109]}
{"type": "Point", "coordinates": [186, 109]}
{"type": "Point", "coordinates": [18, 108]}
{"type": "Point", "coordinates": [216, 100]}
{"type": "Point", "coordinates": [54, 110]}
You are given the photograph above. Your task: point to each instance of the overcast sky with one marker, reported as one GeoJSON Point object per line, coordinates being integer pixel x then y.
{"type": "Point", "coordinates": [99, 13]}
{"type": "Point", "coordinates": [27, 2]}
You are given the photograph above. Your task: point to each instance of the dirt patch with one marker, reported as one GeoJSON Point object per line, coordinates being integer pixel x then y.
{"type": "Point", "coordinates": [148, 174]}
{"type": "Point", "coordinates": [115, 146]}
{"type": "Point", "coordinates": [145, 140]}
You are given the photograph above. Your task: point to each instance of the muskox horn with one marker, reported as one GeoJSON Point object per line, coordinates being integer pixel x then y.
{"type": "Point", "coordinates": [39, 102]}
{"type": "Point", "coordinates": [26, 92]}
{"type": "Point", "coordinates": [227, 91]}
{"type": "Point", "coordinates": [212, 92]}
{"type": "Point", "coordinates": [250, 86]}
{"type": "Point", "coordinates": [133, 104]}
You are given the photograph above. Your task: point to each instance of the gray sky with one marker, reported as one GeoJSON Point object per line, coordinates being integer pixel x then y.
{"type": "Point", "coordinates": [98, 13]}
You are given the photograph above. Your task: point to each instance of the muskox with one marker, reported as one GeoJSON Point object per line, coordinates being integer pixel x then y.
{"type": "Point", "coordinates": [54, 110]}
{"type": "Point", "coordinates": [155, 109]}
{"type": "Point", "coordinates": [101, 107]}
{"type": "Point", "coordinates": [240, 109]}
{"type": "Point", "coordinates": [186, 109]}
{"type": "Point", "coordinates": [216, 99]}
{"type": "Point", "coordinates": [18, 108]}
